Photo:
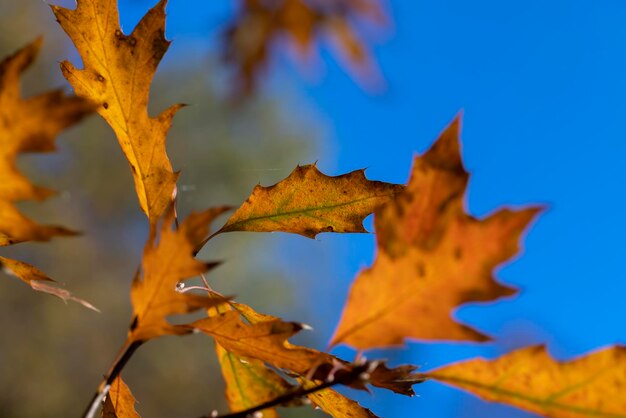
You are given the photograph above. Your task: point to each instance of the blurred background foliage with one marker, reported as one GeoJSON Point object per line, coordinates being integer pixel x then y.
{"type": "Point", "coordinates": [52, 356]}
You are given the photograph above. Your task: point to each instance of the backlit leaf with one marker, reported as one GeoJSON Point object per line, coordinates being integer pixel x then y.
{"type": "Point", "coordinates": [167, 260]}
{"type": "Point", "coordinates": [118, 71]}
{"type": "Point", "coordinates": [590, 386]}
{"type": "Point", "coordinates": [309, 202]}
{"type": "Point", "coordinates": [432, 257]}
{"type": "Point", "coordinates": [120, 402]}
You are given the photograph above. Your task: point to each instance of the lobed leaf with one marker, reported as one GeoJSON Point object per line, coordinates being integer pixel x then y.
{"type": "Point", "coordinates": [589, 386]}
{"type": "Point", "coordinates": [432, 257]}
{"type": "Point", "coordinates": [264, 338]}
{"type": "Point", "coordinates": [167, 261]}
{"type": "Point", "coordinates": [118, 71]}
{"type": "Point", "coordinates": [309, 202]}
{"type": "Point", "coordinates": [30, 125]}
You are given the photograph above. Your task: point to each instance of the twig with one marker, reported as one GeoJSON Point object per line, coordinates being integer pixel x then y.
{"type": "Point", "coordinates": [360, 372]}
{"type": "Point", "coordinates": [118, 364]}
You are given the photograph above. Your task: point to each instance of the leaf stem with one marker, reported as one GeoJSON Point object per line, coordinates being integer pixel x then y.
{"type": "Point", "coordinates": [125, 353]}
{"type": "Point", "coordinates": [357, 373]}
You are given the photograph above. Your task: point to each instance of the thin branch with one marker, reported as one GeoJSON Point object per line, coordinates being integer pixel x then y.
{"type": "Point", "coordinates": [360, 372]}
{"type": "Point", "coordinates": [126, 352]}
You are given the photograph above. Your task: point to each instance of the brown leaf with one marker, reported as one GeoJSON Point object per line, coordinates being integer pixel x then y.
{"type": "Point", "coordinates": [589, 386]}
{"type": "Point", "coordinates": [120, 402]}
{"type": "Point", "coordinates": [39, 281]}
{"type": "Point", "coordinates": [431, 258]}
{"type": "Point", "coordinates": [167, 260]}
{"type": "Point", "coordinates": [118, 72]}
{"type": "Point", "coordinates": [309, 202]}
{"type": "Point", "coordinates": [264, 338]}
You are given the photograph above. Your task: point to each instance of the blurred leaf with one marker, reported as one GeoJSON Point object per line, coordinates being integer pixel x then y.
{"type": "Point", "coordinates": [432, 257]}
{"type": "Point", "coordinates": [589, 386]}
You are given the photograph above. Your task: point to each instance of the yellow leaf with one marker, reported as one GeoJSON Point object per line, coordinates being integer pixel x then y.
{"type": "Point", "coordinates": [118, 71]}
{"type": "Point", "coordinates": [589, 386]}
{"type": "Point", "coordinates": [120, 402]}
{"type": "Point", "coordinates": [249, 382]}
{"type": "Point", "coordinates": [309, 202]}
{"type": "Point", "coordinates": [168, 259]}
{"type": "Point", "coordinates": [431, 258]}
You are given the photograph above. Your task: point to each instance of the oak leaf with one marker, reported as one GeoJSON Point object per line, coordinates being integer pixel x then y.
{"type": "Point", "coordinates": [30, 125]}
{"type": "Point", "coordinates": [120, 402]}
{"type": "Point", "coordinates": [309, 202]}
{"type": "Point", "coordinates": [168, 260]}
{"type": "Point", "coordinates": [588, 386]}
{"type": "Point", "coordinates": [432, 257]}
{"type": "Point", "coordinates": [118, 71]}
{"type": "Point", "coordinates": [264, 338]}
{"type": "Point", "coordinates": [261, 23]}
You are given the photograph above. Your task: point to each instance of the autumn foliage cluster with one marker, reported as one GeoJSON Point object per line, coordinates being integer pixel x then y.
{"type": "Point", "coordinates": [431, 255]}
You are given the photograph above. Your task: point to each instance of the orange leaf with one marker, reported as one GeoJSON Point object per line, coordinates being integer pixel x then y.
{"type": "Point", "coordinates": [264, 338]}
{"type": "Point", "coordinates": [117, 76]}
{"type": "Point", "coordinates": [28, 125]}
{"type": "Point", "coordinates": [309, 202]}
{"type": "Point", "coordinates": [431, 258]}
{"type": "Point", "coordinates": [589, 386]}
{"type": "Point", "coordinates": [120, 402]}
{"type": "Point", "coordinates": [167, 261]}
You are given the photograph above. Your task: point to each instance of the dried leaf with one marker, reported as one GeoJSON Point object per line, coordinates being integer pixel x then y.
{"type": "Point", "coordinates": [39, 281]}
{"type": "Point", "coordinates": [431, 258]}
{"type": "Point", "coordinates": [167, 261]}
{"type": "Point", "coordinates": [266, 341]}
{"type": "Point", "coordinates": [265, 338]}
{"type": "Point", "coordinates": [309, 202]}
{"type": "Point", "coordinates": [117, 76]}
{"type": "Point", "coordinates": [120, 402]}
{"type": "Point", "coordinates": [589, 386]}
{"type": "Point", "coordinates": [29, 125]}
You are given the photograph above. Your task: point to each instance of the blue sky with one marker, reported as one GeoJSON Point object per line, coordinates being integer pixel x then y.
{"type": "Point", "coordinates": [543, 91]}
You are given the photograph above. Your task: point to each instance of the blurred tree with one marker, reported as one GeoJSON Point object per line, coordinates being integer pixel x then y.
{"type": "Point", "coordinates": [53, 356]}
